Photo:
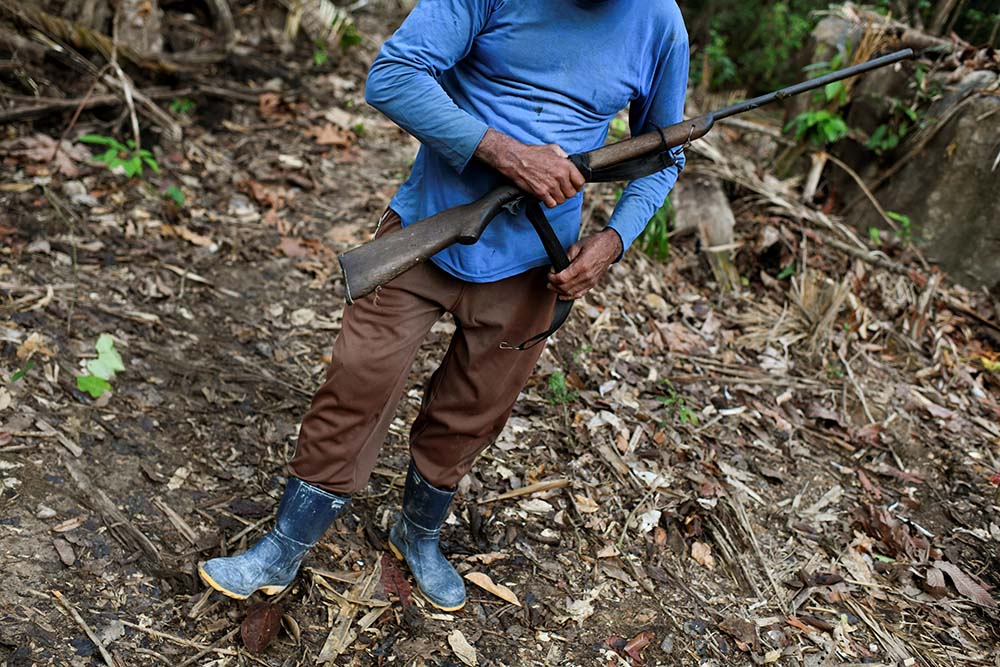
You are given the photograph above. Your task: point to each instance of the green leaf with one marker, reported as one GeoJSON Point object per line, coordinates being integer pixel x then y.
{"type": "Point", "coordinates": [94, 386]}
{"type": "Point", "coordinates": [151, 163]}
{"type": "Point", "coordinates": [132, 166]}
{"type": "Point", "coordinates": [899, 217]}
{"type": "Point", "coordinates": [175, 193]}
{"type": "Point", "coordinates": [21, 373]}
{"type": "Point", "coordinates": [875, 235]}
{"type": "Point", "coordinates": [108, 360]}
{"type": "Point", "coordinates": [109, 157]}
{"type": "Point", "coordinates": [98, 139]}
{"type": "Point", "coordinates": [787, 272]}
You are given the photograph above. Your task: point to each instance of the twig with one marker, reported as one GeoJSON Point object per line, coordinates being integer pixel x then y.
{"type": "Point", "coordinates": [108, 659]}
{"type": "Point", "coordinates": [527, 490]}
{"type": "Point", "coordinates": [857, 387]}
{"type": "Point", "coordinates": [209, 649]}
{"type": "Point", "coordinates": [864, 188]}
{"type": "Point", "coordinates": [76, 114]}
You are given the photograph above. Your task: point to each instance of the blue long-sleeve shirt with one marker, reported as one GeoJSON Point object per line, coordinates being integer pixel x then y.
{"type": "Point", "coordinates": [543, 72]}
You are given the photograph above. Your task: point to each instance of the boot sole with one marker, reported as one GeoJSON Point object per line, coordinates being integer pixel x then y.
{"type": "Point", "coordinates": [399, 556]}
{"type": "Point", "coordinates": [212, 583]}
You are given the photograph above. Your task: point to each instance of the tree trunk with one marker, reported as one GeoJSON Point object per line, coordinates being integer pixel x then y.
{"type": "Point", "coordinates": [941, 14]}
{"type": "Point", "coordinates": [139, 24]}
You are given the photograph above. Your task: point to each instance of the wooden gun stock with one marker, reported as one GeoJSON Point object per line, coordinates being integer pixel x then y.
{"type": "Point", "coordinates": [377, 262]}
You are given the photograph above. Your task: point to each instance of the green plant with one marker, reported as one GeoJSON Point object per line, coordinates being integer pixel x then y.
{"type": "Point", "coordinates": [175, 193]}
{"type": "Point", "coordinates": [905, 225]}
{"type": "Point", "coordinates": [819, 127]}
{"type": "Point", "coordinates": [124, 156]}
{"type": "Point", "coordinates": [677, 404]}
{"type": "Point", "coordinates": [183, 105]}
{"type": "Point", "coordinates": [321, 53]}
{"type": "Point", "coordinates": [787, 272]}
{"type": "Point", "coordinates": [351, 37]}
{"type": "Point", "coordinates": [359, 129]}
{"type": "Point", "coordinates": [102, 369]}
{"type": "Point", "coordinates": [888, 136]}
{"type": "Point", "coordinates": [618, 130]}
{"type": "Point", "coordinates": [21, 373]}
{"type": "Point", "coordinates": [655, 239]}
{"type": "Point", "coordinates": [875, 235]}
{"type": "Point", "coordinates": [559, 393]}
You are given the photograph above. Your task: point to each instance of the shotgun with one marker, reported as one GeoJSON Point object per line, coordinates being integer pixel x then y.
{"type": "Point", "coordinates": [377, 262]}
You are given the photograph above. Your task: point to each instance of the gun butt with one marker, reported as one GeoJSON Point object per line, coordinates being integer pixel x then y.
{"type": "Point", "coordinates": [379, 261]}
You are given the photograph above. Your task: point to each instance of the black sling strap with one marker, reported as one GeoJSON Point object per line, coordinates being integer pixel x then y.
{"type": "Point", "coordinates": [625, 171]}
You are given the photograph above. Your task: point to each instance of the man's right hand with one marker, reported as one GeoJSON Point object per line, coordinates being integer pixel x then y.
{"type": "Point", "coordinates": [543, 171]}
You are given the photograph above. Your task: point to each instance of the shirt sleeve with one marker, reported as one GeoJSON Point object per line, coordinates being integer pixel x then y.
{"type": "Point", "coordinates": [403, 81]}
{"type": "Point", "coordinates": [663, 106]}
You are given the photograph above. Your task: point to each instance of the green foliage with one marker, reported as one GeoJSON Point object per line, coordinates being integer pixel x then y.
{"type": "Point", "coordinates": [351, 37]}
{"type": "Point", "coordinates": [93, 385]}
{"type": "Point", "coordinates": [655, 239]}
{"type": "Point", "coordinates": [21, 373]}
{"type": "Point", "coordinates": [905, 225]}
{"type": "Point", "coordinates": [749, 43]}
{"type": "Point", "coordinates": [875, 235]}
{"type": "Point", "coordinates": [175, 193]}
{"type": "Point", "coordinates": [676, 404]}
{"type": "Point", "coordinates": [102, 369]}
{"type": "Point", "coordinates": [124, 156]}
{"type": "Point", "coordinates": [183, 105]}
{"type": "Point", "coordinates": [559, 393]}
{"type": "Point", "coordinates": [722, 68]}
{"type": "Point", "coordinates": [359, 129]}
{"type": "Point", "coordinates": [617, 130]}
{"type": "Point", "coordinates": [888, 136]}
{"type": "Point", "coordinates": [321, 53]}
{"type": "Point", "coordinates": [787, 272]}
{"type": "Point", "coordinates": [819, 127]}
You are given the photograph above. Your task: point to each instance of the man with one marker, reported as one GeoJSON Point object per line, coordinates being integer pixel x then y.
{"type": "Point", "coordinates": [494, 90]}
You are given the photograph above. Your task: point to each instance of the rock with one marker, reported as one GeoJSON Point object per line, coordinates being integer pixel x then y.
{"type": "Point", "coordinates": [65, 551]}
{"type": "Point", "coordinates": [949, 193]}
{"type": "Point", "coordinates": [45, 512]}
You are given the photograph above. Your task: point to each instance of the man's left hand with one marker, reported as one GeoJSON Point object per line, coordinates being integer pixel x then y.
{"type": "Point", "coordinates": [589, 261]}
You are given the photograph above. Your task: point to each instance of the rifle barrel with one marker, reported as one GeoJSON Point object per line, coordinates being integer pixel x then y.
{"type": "Point", "coordinates": [813, 84]}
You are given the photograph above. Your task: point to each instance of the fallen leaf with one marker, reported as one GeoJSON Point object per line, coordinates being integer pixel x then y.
{"type": "Point", "coordinates": [817, 411]}
{"type": "Point", "coordinates": [633, 649]}
{"type": "Point", "coordinates": [462, 648]}
{"type": "Point", "coordinates": [393, 581]}
{"type": "Point", "coordinates": [40, 148]}
{"type": "Point", "coordinates": [261, 625]}
{"type": "Point", "coordinates": [483, 581]}
{"type": "Point", "coordinates": [291, 247]}
{"type": "Point", "coordinates": [34, 344]}
{"type": "Point", "coordinates": [69, 524]}
{"type": "Point", "coordinates": [331, 135]}
{"type": "Point", "coordinates": [701, 553]}
{"type": "Point", "coordinates": [187, 234]}
{"type": "Point", "coordinates": [965, 585]}
{"type": "Point", "coordinates": [485, 559]}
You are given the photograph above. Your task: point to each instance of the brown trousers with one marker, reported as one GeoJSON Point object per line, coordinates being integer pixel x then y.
{"type": "Point", "coordinates": [466, 401]}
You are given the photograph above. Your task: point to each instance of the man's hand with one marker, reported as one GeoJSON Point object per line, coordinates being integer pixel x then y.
{"type": "Point", "coordinates": [589, 261]}
{"type": "Point", "coordinates": [543, 171]}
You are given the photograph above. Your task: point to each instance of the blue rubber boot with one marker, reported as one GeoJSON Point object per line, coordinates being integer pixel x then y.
{"type": "Point", "coordinates": [271, 564]}
{"type": "Point", "coordinates": [414, 538]}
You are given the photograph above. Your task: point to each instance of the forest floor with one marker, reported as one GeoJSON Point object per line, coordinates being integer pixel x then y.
{"type": "Point", "coordinates": [805, 471]}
